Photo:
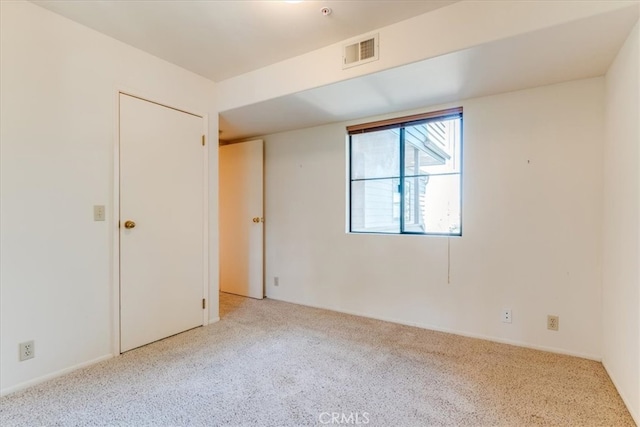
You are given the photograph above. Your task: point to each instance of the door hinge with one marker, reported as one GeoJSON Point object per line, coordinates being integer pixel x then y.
{"type": "Point", "coordinates": [204, 303]}
{"type": "Point", "coordinates": [203, 140]}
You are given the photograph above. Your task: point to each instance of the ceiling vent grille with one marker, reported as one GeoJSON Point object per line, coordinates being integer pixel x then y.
{"type": "Point", "coordinates": [360, 52]}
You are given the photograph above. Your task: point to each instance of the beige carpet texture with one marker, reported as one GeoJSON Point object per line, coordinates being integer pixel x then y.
{"type": "Point", "coordinates": [270, 363]}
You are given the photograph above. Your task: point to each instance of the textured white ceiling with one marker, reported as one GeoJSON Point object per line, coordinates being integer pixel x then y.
{"type": "Point", "coordinates": [222, 39]}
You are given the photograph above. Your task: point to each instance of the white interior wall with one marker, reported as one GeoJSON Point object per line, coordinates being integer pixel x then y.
{"type": "Point", "coordinates": [621, 231]}
{"type": "Point", "coordinates": [58, 108]}
{"type": "Point", "coordinates": [531, 220]}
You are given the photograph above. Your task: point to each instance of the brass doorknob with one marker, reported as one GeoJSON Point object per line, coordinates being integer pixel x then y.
{"type": "Point", "coordinates": [129, 224]}
{"type": "Point", "coordinates": [256, 219]}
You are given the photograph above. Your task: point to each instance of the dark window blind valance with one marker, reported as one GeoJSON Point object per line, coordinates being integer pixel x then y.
{"type": "Point", "coordinates": [402, 121]}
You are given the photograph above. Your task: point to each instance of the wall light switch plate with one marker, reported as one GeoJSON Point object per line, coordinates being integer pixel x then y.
{"type": "Point", "coordinates": [99, 213]}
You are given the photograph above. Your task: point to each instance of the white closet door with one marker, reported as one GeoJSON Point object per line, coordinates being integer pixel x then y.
{"type": "Point", "coordinates": [161, 191]}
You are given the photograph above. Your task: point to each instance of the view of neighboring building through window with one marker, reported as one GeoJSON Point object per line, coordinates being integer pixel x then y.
{"type": "Point", "coordinates": [406, 174]}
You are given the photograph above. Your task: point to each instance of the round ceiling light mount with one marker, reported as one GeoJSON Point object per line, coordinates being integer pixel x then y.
{"type": "Point", "coordinates": [326, 11]}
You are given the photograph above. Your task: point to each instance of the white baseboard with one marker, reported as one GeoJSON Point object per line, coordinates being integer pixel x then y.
{"type": "Point", "coordinates": [38, 380]}
{"type": "Point", "coordinates": [597, 358]}
{"type": "Point", "coordinates": [30, 383]}
{"type": "Point", "coordinates": [632, 410]}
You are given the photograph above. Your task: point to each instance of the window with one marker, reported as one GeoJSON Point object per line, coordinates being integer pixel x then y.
{"type": "Point", "coordinates": [406, 175]}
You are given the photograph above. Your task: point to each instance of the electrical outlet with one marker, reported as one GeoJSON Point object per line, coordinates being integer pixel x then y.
{"type": "Point", "coordinates": [506, 315]}
{"type": "Point", "coordinates": [553, 323]}
{"type": "Point", "coordinates": [98, 213]}
{"type": "Point", "coordinates": [27, 350]}
{"type": "Point", "coordinates": [276, 281]}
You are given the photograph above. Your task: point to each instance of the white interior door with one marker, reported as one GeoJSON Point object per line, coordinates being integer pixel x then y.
{"type": "Point", "coordinates": [162, 191]}
{"type": "Point", "coordinates": [241, 219]}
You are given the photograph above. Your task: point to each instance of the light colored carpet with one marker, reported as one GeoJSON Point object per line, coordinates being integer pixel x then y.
{"type": "Point", "coordinates": [269, 363]}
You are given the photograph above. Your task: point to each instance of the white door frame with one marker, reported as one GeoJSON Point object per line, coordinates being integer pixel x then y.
{"type": "Point", "coordinates": [115, 213]}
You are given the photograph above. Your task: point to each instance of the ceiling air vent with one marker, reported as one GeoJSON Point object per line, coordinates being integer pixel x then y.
{"type": "Point", "coordinates": [360, 52]}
